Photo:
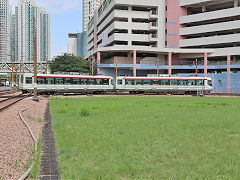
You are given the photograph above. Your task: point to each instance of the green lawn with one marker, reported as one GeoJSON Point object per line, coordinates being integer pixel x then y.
{"type": "Point", "coordinates": [147, 137]}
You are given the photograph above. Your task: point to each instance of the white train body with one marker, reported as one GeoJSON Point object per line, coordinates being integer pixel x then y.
{"type": "Point", "coordinates": [164, 84]}
{"type": "Point", "coordinates": [54, 83]}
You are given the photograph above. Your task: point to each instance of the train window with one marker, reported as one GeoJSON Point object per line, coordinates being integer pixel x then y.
{"type": "Point", "coordinates": [98, 81]}
{"type": "Point", "coordinates": [91, 81]}
{"type": "Point", "coordinates": [129, 82]}
{"type": "Point", "coordinates": [147, 82]}
{"type": "Point", "coordinates": [22, 79]}
{"type": "Point", "coordinates": [76, 81]}
{"type": "Point", "coordinates": [138, 82]}
{"type": "Point", "coordinates": [49, 80]}
{"type": "Point", "coordinates": [59, 81]}
{"type": "Point", "coordinates": [28, 80]}
{"type": "Point", "coordinates": [156, 82]}
{"type": "Point", "coordinates": [174, 82]}
{"type": "Point", "coordinates": [165, 82]}
{"type": "Point", "coordinates": [210, 82]}
{"type": "Point", "coordinates": [119, 81]}
{"type": "Point", "coordinates": [40, 81]}
{"type": "Point", "coordinates": [191, 83]}
{"type": "Point", "coordinates": [67, 81]}
{"type": "Point", "coordinates": [105, 82]}
{"type": "Point", "coordinates": [199, 82]}
{"type": "Point", "coordinates": [84, 81]}
{"type": "Point", "coordinates": [182, 83]}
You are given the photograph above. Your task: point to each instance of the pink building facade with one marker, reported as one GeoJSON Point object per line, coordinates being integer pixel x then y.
{"type": "Point", "coordinates": [167, 36]}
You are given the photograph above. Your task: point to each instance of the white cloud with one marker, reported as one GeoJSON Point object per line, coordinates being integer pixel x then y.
{"type": "Point", "coordinates": [55, 6]}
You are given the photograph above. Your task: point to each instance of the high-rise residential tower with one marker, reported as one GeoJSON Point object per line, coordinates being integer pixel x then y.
{"type": "Point", "coordinates": [31, 19]}
{"type": "Point", "coordinates": [89, 7]}
{"type": "Point", "coordinates": [5, 27]}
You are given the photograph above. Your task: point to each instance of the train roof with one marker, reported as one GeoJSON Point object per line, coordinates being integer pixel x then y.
{"type": "Point", "coordinates": [156, 78]}
{"type": "Point", "coordinates": [67, 76]}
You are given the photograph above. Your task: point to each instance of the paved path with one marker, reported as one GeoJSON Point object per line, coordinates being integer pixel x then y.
{"type": "Point", "coordinates": [49, 165]}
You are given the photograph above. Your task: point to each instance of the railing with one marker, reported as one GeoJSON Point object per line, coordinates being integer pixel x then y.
{"type": "Point", "coordinates": [216, 63]}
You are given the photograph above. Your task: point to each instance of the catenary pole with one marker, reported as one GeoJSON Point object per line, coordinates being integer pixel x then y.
{"type": "Point", "coordinates": [35, 63]}
{"type": "Point", "coordinates": [12, 73]}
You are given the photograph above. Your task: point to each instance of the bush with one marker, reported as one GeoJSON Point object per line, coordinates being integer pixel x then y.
{"type": "Point", "coordinates": [84, 112]}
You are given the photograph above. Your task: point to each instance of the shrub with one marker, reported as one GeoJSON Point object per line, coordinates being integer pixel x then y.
{"type": "Point", "coordinates": [84, 112]}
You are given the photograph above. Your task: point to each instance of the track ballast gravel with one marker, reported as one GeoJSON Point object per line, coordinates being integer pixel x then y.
{"type": "Point", "coordinates": [16, 144]}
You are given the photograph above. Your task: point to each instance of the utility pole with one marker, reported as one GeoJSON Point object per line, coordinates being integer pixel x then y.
{"type": "Point", "coordinates": [35, 63]}
{"type": "Point", "coordinates": [20, 73]}
{"type": "Point", "coordinates": [92, 65]}
{"type": "Point", "coordinates": [116, 72]}
{"type": "Point", "coordinates": [46, 66]}
{"type": "Point", "coordinates": [12, 73]}
{"type": "Point", "coordinates": [196, 64]}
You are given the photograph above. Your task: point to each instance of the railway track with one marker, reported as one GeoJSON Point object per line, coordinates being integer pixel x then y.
{"type": "Point", "coordinates": [8, 101]}
{"type": "Point", "coordinates": [4, 93]}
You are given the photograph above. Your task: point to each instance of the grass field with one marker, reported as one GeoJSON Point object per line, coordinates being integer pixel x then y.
{"type": "Point", "coordinates": [147, 137]}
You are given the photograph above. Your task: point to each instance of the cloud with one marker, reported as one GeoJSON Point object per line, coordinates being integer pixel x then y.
{"type": "Point", "coordinates": [55, 6]}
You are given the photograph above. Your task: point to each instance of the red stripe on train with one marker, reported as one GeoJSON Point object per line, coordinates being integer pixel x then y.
{"type": "Point", "coordinates": [69, 77]}
{"type": "Point", "coordinates": [163, 79]}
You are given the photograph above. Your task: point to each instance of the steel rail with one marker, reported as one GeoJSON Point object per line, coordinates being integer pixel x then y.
{"type": "Point", "coordinates": [12, 100]}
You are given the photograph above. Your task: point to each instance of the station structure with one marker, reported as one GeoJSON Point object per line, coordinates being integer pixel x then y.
{"type": "Point", "coordinates": [140, 37]}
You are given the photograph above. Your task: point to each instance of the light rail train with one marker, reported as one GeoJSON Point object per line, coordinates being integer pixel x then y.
{"type": "Point", "coordinates": [186, 85]}
{"type": "Point", "coordinates": [55, 83]}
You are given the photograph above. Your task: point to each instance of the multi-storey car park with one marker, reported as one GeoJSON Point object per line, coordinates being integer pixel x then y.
{"type": "Point", "coordinates": [168, 36]}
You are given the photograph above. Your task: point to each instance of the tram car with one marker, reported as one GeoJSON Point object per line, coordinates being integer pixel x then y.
{"type": "Point", "coordinates": [55, 83]}
{"type": "Point", "coordinates": [180, 85]}
{"type": "Point", "coordinates": [3, 81]}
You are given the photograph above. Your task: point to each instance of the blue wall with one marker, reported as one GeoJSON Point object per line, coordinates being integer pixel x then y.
{"type": "Point", "coordinates": [219, 80]}
{"type": "Point", "coordinates": [165, 67]}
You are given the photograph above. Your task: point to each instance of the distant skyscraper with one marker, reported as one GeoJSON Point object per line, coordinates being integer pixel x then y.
{"type": "Point", "coordinates": [72, 44]}
{"type": "Point", "coordinates": [89, 7]}
{"type": "Point", "coordinates": [5, 34]}
{"type": "Point", "coordinates": [30, 18]}
{"type": "Point", "coordinates": [77, 42]}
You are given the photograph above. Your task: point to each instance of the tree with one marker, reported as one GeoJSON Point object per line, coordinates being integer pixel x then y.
{"type": "Point", "coordinates": [69, 63]}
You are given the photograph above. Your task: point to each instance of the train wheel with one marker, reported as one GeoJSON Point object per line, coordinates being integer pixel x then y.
{"type": "Point", "coordinates": [24, 92]}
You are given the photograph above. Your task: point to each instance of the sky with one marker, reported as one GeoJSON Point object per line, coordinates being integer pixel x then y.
{"type": "Point", "coordinates": [66, 17]}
